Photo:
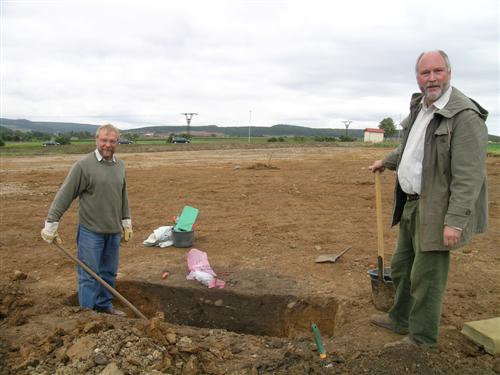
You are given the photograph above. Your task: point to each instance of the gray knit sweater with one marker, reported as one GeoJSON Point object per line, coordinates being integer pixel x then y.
{"type": "Point", "coordinates": [102, 189]}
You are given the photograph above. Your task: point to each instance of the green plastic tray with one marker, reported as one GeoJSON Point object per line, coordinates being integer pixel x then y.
{"type": "Point", "coordinates": [186, 219]}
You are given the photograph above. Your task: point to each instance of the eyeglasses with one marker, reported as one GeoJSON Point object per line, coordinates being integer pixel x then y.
{"type": "Point", "coordinates": [112, 142]}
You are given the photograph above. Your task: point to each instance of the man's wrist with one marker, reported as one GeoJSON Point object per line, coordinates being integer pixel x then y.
{"type": "Point", "coordinates": [453, 227]}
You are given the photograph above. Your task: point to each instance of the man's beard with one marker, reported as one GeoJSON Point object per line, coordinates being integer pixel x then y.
{"type": "Point", "coordinates": [435, 95]}
{"type": "Point", "coordinates": [106, 154]}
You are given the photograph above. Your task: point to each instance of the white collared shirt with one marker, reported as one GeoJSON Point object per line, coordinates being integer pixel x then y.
{"type": "Point", "coordinates": [410, 168]}
{"type": "Point", "coordinates": [101, 158]}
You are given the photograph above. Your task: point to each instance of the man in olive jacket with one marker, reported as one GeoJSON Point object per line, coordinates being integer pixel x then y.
{"type": "Point", "coordinates": [440, 197]}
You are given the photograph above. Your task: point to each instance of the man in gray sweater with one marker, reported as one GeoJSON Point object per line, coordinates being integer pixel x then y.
{"type": "Point", "coordinates": [99, 181]}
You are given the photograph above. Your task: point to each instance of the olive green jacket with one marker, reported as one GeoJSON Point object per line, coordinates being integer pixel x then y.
{"type": "Point", "coordinates": [454, 187]}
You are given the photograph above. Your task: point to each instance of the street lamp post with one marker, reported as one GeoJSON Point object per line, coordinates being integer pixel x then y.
{"type": "Point", "coordinates": [400, 127]}
{"type": "Point", "coordinates": [249, 125]}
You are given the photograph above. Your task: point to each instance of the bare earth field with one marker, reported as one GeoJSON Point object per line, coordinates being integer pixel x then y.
{"type": "Point", "coordinates": [265, 215]}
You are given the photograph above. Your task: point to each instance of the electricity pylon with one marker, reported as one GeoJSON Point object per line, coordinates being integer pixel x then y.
{"type": "Point", "coordinates": [346, 123]}
{"type": "Point", "coordinates": [189, 116]}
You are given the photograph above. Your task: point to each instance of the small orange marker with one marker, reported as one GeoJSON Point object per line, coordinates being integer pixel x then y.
{"type": "Point", "coordinates": [164, 274]}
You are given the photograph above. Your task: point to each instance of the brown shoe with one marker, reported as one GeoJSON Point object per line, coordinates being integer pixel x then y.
{"type": "Point", "coordinates": [383, 320]}
{"type": "Point", "coordinates": [117, 312]}
{"type": "Point", "coordinates": [408, 341]}
{"type": "Point", "coordinates": [113, 311]}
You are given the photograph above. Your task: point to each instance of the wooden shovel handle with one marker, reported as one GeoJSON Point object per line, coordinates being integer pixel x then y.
{"type": "Point", "coordinates": [100, 280]}
{"type": "Point", "coordinates": [380, 225]}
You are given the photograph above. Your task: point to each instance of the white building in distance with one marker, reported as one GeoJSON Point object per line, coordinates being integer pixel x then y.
{"type": "Point", "coordinates": [374, 135]}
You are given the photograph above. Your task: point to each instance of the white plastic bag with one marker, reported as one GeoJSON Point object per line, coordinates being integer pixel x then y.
{"type": "Point", "coordinates": [161, 237]}
{"type": "Point", "coordinates": [202, 277]}
{"type": "Point", "coordinates": [201, 271]}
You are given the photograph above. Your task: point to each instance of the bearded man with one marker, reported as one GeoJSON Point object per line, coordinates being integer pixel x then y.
{"type": "Point", "coordinates": [440, 197]}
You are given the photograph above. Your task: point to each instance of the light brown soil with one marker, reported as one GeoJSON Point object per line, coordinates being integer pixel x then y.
{"type": "Point", "coordinates": [265, 215]}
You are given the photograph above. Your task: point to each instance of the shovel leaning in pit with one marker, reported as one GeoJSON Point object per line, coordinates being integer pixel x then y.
{"type": "Point", "coordinates": [382, 286]}
{"type": "Point", "coordinates": [100, 280]}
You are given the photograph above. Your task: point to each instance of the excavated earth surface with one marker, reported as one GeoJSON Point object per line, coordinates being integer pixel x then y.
{"type": "Point", "coordinates": [265, 215]}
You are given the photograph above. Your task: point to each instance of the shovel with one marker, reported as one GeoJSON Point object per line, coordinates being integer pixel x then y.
{"type": "Point", "coordinates": [100, 280]}
{"type": "Point", "coordinates": [332, 258]}
{"type": "Point", "coordinates": [382, 286]}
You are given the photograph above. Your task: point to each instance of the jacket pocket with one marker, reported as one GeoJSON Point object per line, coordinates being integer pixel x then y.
{"type": "Point", "coordinates": [442, 139]}
{"type": "Point", "coordinates": [443, 133]}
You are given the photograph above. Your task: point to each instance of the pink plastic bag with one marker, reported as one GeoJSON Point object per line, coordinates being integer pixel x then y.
{"type": "Point", "coordinates": [201, 271]}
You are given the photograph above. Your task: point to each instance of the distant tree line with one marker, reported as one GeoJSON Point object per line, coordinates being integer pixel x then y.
{"type": "Point", "coordinates": [10, 135]}
{"type": "Point", "coordinates": [7, 134]}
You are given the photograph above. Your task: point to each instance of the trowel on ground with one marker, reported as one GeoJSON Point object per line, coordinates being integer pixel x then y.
{"type": "Point", "coordinates": [331, 258]}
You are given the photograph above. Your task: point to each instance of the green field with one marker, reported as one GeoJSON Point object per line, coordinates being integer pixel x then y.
{"type": "Point", "coordinates": [494, 148]}
{"type": "Point", "coordinates": [160, 144]}
{"type": "Point", "coordinates": [163, 141]}
{"type": "Point", "coordinates": [142, 145]}
{"type": "Point", "coordinates": [79, 144]}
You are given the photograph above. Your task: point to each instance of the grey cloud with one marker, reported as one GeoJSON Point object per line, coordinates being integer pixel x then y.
{"type": "Point", "coordinates": [286, 61]}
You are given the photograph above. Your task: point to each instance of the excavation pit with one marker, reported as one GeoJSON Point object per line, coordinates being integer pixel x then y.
{"type": "Point", "coordinates": [255, 314]}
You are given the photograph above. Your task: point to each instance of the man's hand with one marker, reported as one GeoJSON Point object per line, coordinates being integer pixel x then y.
{"type": "Point", "coordinates": [451, 236]}
{"type": "Point", "coordinates": [49, 232]}
{"type": "Point", "coordinates": [377, 166]}
{"type": "Point", "coordinates": [127, 232]}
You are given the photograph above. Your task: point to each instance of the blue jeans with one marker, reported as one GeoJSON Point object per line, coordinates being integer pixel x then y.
{"type": "Point", "coordinates": [101, 253]}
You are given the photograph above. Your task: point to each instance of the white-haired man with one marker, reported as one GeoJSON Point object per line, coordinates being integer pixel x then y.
{"type": "Point", "coordinates": [440, 200]}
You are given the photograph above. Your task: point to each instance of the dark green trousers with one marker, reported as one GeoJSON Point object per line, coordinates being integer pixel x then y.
{"type": "Point", "coordinates": [419, 279]}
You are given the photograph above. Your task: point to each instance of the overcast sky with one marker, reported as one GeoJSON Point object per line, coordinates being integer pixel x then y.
{"type": "Point", "coordinates": [309, 63]}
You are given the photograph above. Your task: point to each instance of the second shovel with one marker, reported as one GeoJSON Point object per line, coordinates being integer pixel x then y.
{"type": "Point", "coordinates": [382, 286]}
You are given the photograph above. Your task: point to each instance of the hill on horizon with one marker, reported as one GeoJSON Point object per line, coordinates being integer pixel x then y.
{"type": "Point", "coordinates": [255, 131]}
{"type": "Point", "coordinates": [278, 130]}
{"type": "Point", "coordinates": [232, 131]}
{"type": "Point", "coordinates": [46, 127]}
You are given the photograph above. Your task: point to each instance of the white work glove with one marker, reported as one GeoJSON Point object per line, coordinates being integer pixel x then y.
{"type": "Point", "coordinates": [49, 232]}
{"type": "Point", "coordinates": [127, 232]}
